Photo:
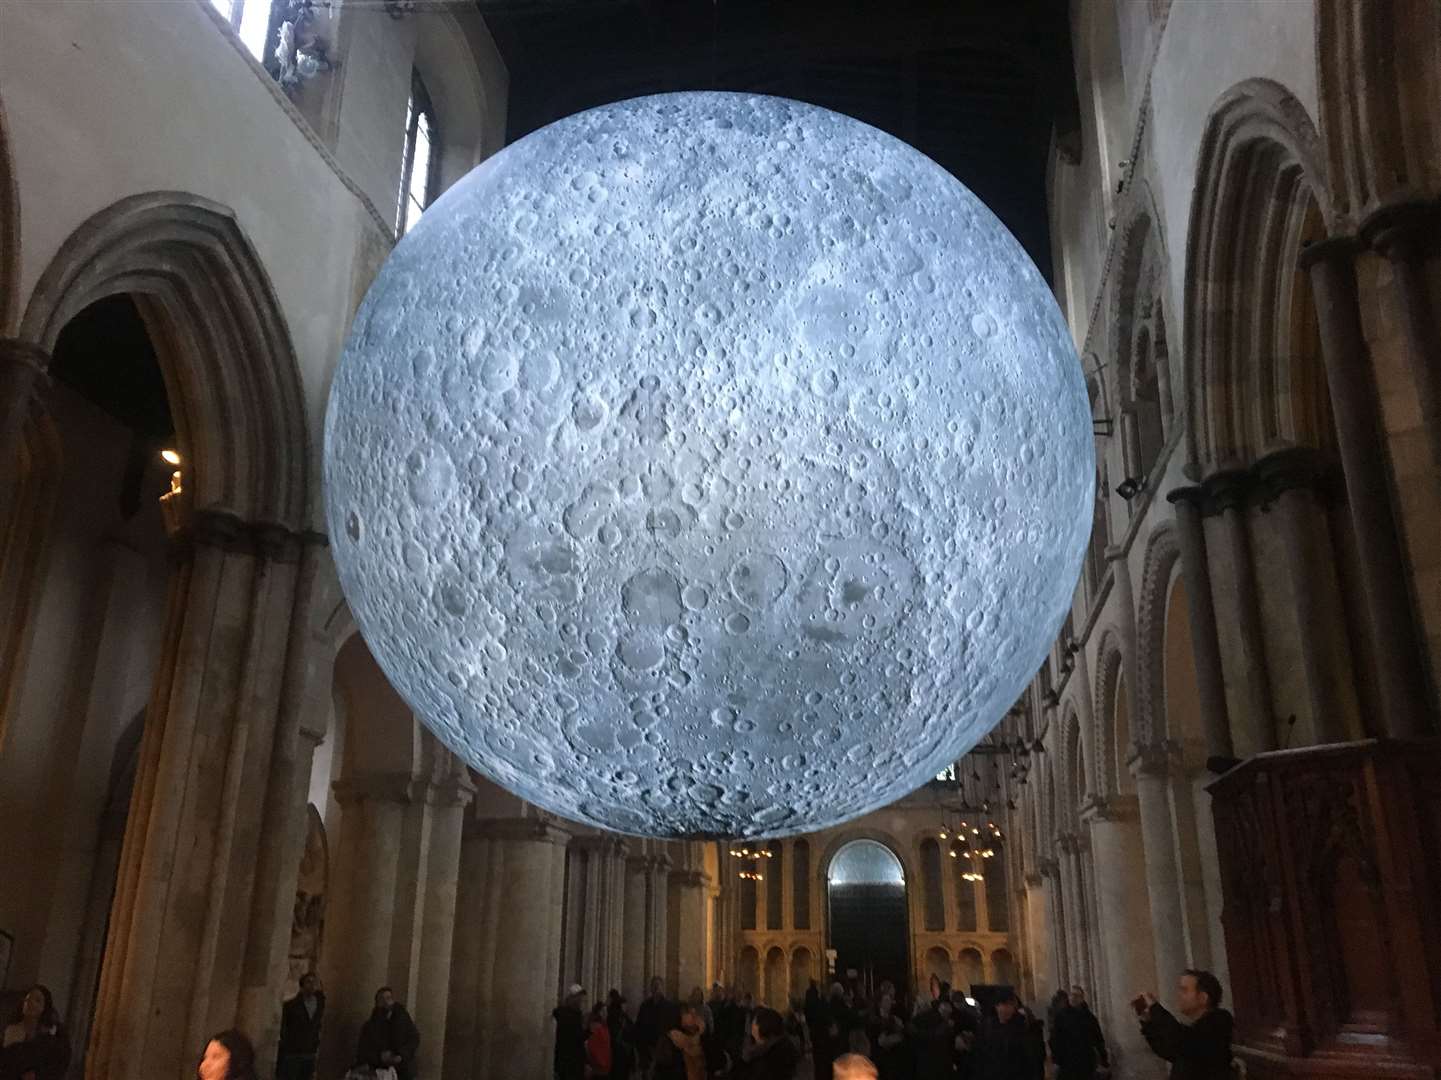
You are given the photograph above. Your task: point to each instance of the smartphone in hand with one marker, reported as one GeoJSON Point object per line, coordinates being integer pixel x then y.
{"type": "Point", "coordinates": [1141, 1006]}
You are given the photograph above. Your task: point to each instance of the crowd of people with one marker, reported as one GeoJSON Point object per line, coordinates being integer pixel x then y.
{"type": "Point", "coordinates": [845, 1033]}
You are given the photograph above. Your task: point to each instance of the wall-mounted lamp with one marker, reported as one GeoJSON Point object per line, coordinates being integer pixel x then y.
{"type": "Point", "coordinates": [170, 501]}
{"type": "Point", "coordinates": [1130, 487]}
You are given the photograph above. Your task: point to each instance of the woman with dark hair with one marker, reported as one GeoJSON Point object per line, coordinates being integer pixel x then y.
{"type": "Point", "coordinates": [35, 1043]}
{"type": "Point", "coordinates": [772, 1055]}
{"type": "Point", "coordinates": [228, 1056]}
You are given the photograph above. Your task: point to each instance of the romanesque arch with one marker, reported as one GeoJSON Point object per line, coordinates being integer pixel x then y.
{"type": "Point", "coordinates": [1260, 196]}
{"type": "Point", "coordinates": [228, 700]}
{"type": "Point", "coordinates": [1109, 738]}
{"type": "Point", "coordinates": [1159, 568]}
{"type": "Point", "coordinates": [224, 348]}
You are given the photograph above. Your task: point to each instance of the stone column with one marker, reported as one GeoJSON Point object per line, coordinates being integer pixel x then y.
{"type": "Point", "coordinates": [1060, 953]}
{"type": "Point", "coordinates": [479, 903]}
{"type": "Point", "coordinates": [1210, 682]}
{"type": "Point", "coordinates": [361, 917]}
{"type": "Point", "coordinates": [200, 918]}
{"type": "Point", "coordinates": [1289, 480]}
{"type": "Point", "coordinates": [1040, 936]}
{"type": "Point", "coordinates": [657, 919]}
{"type": "Point", "coordinates": [687, 918]}
{"type": "Point", "coordinates": [22, 371]}
{"type": "Point", "coordinates": [430, 997]}
{"type": "Point", "coordinates": [1228, 493]}
{"type": "Point", "coordinates": [1077, 917]}
{"type": "Point", "coordinates": [596, 903]}
{"type": "Point", "coordinates": [507, 952]}
{"type": "Point", "coordinates": [1120, 873]}
{"type": "Point", "coordinates": [1151, 766]}
{"type": "Point", "coordinates": [1404, 235]}
{"type": "Point", "coordinates": [1354, 401]}
{"type": "Point", "coordinates": [634, 969]}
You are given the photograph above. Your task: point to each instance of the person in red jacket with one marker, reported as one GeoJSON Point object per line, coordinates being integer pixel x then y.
{"type": "Point", "coordinates": [597, 1043]}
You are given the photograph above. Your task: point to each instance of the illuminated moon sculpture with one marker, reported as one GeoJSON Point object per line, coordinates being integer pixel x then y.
{"type": "Point", "coordinates": [709, 465]}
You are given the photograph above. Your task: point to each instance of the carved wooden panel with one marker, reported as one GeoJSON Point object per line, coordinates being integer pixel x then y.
{"type": "Point", "coordinates": [1331, 879]}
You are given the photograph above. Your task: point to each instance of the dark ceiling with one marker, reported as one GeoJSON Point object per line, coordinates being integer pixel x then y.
{"type": "Point", "coordinates": [977, 85]}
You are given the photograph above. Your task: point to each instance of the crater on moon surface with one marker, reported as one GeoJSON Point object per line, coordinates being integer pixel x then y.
{"type": "Point", "coordinates": [709, 465]}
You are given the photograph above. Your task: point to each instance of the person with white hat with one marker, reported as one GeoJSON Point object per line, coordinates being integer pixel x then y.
{"type": "Point", "coordinates": [570, 1034]}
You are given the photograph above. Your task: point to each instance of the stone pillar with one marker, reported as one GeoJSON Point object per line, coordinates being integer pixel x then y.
{"type": "Point", "coordinates": [362, 914]}
{"type": "Point", "coordinates": [595, 903]}
{"type": "Point", "coordinates": [657, 918]}
{"type": "Point", "coordinates": [1228, 499]}
{"type": "Point", "coordinates": [201, 916]}
{"type": "Point", "coordinates": [687, 930]}
{"type": "Point", "coordinates": [1404, 234]}
{"type": "Point", "coordinates": [1210, 682]}
{"type": "Point", "coordinates": [635, 970]}
{"type": "Point", "coordinates": [1120, 873]}
{"type": "Point", "coordinates": [1289, 480]}
{"type": "Point", "coordinates": [1040, 937]}
{"type": "Point", "coordinates": [1077, 916]}
{"type": "Point", "coordinates": [1060, 953]}
{"type": "Point", "coordinates": [22, 371]}
{"type": "Point", "coordinates": [1151, 766]}
{"type": "Point", "coordinates": [430, 997]}
{"type": "Point", "coordinates": [1354, 401]}
{"type": "Point", "coordinates": [507, 951]}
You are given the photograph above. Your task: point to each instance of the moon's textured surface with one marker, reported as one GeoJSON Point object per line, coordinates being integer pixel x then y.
{"type": "Point", "coordinates": [709, 464]}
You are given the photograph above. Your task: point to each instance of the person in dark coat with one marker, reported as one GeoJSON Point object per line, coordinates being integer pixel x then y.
{"type": "Point", "coordinates": [1004, 1049]}
{"type": "Point", "coordinates": [933, 1040]}
{"type": "Point", "coordinates": [35, 1045]}
{"type": "Point", "coordinates": [772, 1054]}
{"type": "Point", "coordinates": [653, 1019]}
{"type": "Point", "coordinates": [300, 1020]}
{"type": "Point", "coordinates": [622, 1037]}
{"type": "Point", "coordinates": [1200, 1050]}
{"type": "Point", "coordinates": [1077, 1044]}
{"type": "Point", "coordinates": [389, 1038]}
{"type": "Point", "coordinates": [570, 1034]}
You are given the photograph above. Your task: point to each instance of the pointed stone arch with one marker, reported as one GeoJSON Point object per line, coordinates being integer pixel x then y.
{"type": "Point", "coordinates": [223, 346]}
{"type": "Point", "coordinates": [1163, 553]}
{"type": "Point", "coordinates": [1108, 740]}
{"type": "Point", "coordinates": [1260, 195]}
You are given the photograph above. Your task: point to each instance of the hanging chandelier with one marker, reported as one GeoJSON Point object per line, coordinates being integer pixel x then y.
{"type": "Point", "coordinates": [751, 856]}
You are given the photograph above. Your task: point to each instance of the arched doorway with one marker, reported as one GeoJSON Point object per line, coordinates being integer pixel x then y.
{"type": "Point", "coordinates": [1003, 969]}
{"type": "Point", "coordinates": [748, 971]}
{"type": "Point", "coordinates": [971, 969]}
{"type": "Point", "coordinates": [869, 921]}
{"type": "Point", "coordinates": [776, 989]}
{"type": "Point", "coordinates": [938, 964]}
{"type": "Point", "coordinates": [800, 971]}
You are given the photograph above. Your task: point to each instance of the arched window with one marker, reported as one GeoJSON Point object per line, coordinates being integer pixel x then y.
{"type": "Point", "coordinates": [998, 904]}
{"type": "Point", "coordinates": [801, 885]}
{"type": "Point", "coordinates": [775, 875]}
{"type": "Point", "coordinates": [935, 914]}
{"type": "Point", "coordinates": [965, 895]}
{"type": "Point", "coordinates": [749, 898]}
{"type": "Point", "coordinates": [421, 158]}
{"type": "Point", "coordinates": [254, 21]}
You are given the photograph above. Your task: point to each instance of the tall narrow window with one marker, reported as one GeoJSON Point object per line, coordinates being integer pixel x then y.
{"type": "Point", "coordinates": [931, 885]}
{"type": "Point", "coordinates": [998, 900]}
{"type": "Point", "coordinates": [801, 885]}
{"type": "Point", "coordinates": [421, 158]}
{"type": "Point", "coordinates": [749, 896]}
{"type": "Point", "coordinates": [965, 895]}
{"type": "Point", "coordinates": [775, 875]}
{"type": "Point", "coordinates": [253, 20]}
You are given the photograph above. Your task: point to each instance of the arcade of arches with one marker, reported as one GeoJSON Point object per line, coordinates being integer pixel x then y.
{"type": "Point", "coordinates": [1228, 761]}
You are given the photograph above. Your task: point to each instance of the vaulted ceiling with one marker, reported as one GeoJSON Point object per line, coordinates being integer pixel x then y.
{"type": "Point", "coordinates": [977, 85]}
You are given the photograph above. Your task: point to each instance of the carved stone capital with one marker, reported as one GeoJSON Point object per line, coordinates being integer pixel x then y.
{"type": "Point", "coordinates": [1034, 880]}
{"type": "Point", "coordinates": [1332, 249]}
{"type": "Point", "coordinates": [522, 830]}
{"type": "Point", "coordinates": [1111, 808]}
{"type": "Point", "coordinates": [452, 791]}
{"type": "Point", "coordinates": [1295, 468]}
{"type": "Point", "coordinates": [1050, 868]}
{"type": "Point", "coordinates": [1154, 759]}
{"type": "Point", "coordinates": [1402, 231]}
{"type": "Point", "coordinates": [25, 353]}
{"type": "Point", "coordinates": [393, 787]}
{"type": "Point", "coordinates": [217, 527]}
{"type": "Point", "coordinates": [689, 879]}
